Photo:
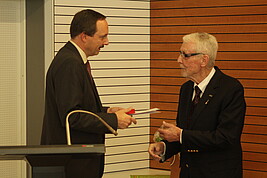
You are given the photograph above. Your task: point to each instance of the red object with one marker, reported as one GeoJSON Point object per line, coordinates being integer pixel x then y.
{"type": "Point", "coordinates": [132, 111]}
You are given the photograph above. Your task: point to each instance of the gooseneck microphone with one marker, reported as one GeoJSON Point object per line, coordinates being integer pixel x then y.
{"type": "Point", "coordinates": [83, 111]}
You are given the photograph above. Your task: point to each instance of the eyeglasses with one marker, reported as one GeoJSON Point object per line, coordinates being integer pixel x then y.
{"type": "Point", "coordinates": [184, 55]}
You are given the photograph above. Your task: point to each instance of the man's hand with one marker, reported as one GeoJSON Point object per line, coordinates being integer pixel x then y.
{"type": "Point", "coordinates": [124, 120]}
{"type": "Point", "coordinates": [114, 109]}
{"type": "Point", "coordinates": [169, 132]}
{"type": "Point", "coordinates": [156, 149]}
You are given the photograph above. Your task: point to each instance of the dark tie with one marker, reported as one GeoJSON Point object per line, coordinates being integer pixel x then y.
{"type": "Point", "coordinates": [197, 96]}
{"type": "Point", "coordinates": [88, 67]}
{"type": "Point", "coordinates": [194, 104]}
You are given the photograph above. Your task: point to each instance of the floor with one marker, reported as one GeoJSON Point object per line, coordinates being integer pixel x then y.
{"type": "Point", "coordinates": [126, 174]}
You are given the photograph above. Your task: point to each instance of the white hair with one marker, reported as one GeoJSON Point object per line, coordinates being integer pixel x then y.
{"type": "Point", "coordinates": [204, 43]}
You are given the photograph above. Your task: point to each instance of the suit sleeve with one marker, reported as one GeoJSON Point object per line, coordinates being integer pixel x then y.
{"type": "Point", "coordinates": [229, 127]}
{"type": "Point", "coordinates": [172, 148]}
{"type": "Point", "coordinates": [69, 88]}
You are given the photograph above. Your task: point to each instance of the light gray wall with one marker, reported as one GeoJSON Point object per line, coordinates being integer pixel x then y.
{"type": "Point", "coordinates": [12, 83]}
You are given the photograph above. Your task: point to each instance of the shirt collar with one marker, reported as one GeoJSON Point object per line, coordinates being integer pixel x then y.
{"type": "Point", "coordinates": [202, 85]}
{"type": "Point", "coordinates": [83, 55]}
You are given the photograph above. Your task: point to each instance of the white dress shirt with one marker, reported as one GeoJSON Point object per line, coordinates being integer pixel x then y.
{"type": "Point", "coordinates": [82, 53]}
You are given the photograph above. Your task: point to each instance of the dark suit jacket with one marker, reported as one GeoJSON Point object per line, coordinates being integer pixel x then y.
{"type": "Point", "coordinates": [69, 87]}
{"type": "Point", "coordinates": [211, 141]}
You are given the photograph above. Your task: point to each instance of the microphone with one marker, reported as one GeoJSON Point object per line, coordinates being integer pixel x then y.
{"type": "Point", "coordinates": [83, 111]}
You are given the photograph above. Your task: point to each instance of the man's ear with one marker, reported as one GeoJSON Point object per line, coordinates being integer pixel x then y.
{"type": "Point", "coordinates": [205, 60]}
{"type": "Point", "coordinates": [83, 37]}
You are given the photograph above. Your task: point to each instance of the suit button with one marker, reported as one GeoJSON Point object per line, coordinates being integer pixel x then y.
{"type": "Point", "coordinates": [186, 165]}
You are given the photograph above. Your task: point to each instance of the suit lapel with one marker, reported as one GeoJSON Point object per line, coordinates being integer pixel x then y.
{"type": "Point", "coordinates": [207, 96]}
{"type": "Point", "coordinates": [95, 92]}
{"type": "Point", "coordinates": [90, 78]}
{"type": "Point", "coordinates": [185, 105]}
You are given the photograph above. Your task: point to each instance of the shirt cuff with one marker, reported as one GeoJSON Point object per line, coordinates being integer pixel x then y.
{"type": "Point", "coordinates": [163, 154]}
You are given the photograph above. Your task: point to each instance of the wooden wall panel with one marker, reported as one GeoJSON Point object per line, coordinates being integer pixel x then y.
{"type": "Point", "coordinates": [205, 20]}
{"type": "Point", "coordinates": [241, 30]}
{"type": "Point", "coordinates": [183, 5]}
{"type": "Point", "coordinates": [241, 38]}
{"type": "Point", "coordinates": [177, 12]}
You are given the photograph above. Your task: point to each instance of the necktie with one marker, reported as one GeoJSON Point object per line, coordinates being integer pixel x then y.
{"type": "Point", "coordinates": [197, 96]}
{"type": "Point", "coordinates": [194, 104]}
{"type": "Point", "coordinates": [88, 67]}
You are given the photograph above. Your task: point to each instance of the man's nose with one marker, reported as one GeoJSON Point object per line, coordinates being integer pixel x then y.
{"type": "Point", "coordinates": [106, 41]}
{"type": "Point", "coordinates": [179, 60]}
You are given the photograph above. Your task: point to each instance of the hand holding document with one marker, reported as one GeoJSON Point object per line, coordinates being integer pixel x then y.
{"type": "Point", "coordinates": [148, 111]}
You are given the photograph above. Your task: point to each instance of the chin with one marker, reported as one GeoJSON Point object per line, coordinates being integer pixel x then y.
{"type": "Point", "coordinates": [96, 53]}
{"type": "Point", "coordinates": [184, 74]}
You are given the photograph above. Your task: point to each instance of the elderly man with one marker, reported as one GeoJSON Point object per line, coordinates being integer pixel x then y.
{"type": "Point", "coordinates": [210, 116]}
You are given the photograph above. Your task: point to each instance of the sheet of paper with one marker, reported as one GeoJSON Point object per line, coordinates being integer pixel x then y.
{"type": "Point", "coordinates": [149, 111]}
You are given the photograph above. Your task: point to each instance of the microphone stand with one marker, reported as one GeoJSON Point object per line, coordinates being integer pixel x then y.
{"type": "Point", "coordinates": [83, 111]}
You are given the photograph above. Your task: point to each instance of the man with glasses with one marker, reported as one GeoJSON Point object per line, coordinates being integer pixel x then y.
{"type": "Point", "coordinates": [210, 116]}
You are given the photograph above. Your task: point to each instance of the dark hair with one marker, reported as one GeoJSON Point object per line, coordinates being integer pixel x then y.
{"type": "Point", "coordinates": [85, 21]}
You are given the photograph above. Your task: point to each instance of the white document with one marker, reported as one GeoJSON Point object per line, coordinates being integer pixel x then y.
{"type": "Point", "coordinates": [149, 111]}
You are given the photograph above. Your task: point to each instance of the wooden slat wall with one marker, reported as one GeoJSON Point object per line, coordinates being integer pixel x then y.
{"type": "Point", "coordinates": [241, 30]}
{"type": "Point", "coordinates": [121, 72]}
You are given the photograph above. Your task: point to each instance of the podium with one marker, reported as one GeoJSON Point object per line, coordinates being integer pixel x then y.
{"type": "Point", "coordinates": [49, 160]}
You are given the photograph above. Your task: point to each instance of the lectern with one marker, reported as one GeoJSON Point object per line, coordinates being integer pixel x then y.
{"type": "Point", "coordinates": [49, 160]}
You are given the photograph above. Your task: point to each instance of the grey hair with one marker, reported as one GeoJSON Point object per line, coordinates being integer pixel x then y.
{"type": "Point", "coordinates": [204, 43]}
